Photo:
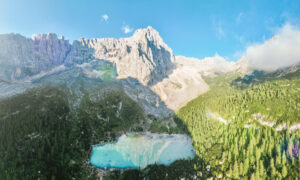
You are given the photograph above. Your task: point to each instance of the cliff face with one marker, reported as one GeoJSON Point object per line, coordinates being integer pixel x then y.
{"type": "Point", "coordinates": [21, 57]}
{"type": "Point", "coordinates": [144, 65]}
{"type": "Point", "coordinates": [185, 82]}
{"type": "Point", "coordinates": [51, 50]}
{"type": "Point", "coordinates": [144, 56]}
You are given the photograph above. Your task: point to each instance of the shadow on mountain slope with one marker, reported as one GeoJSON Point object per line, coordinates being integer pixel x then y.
{"type": "Point", "coordinates": [47, 129]}
{"type": "Point", "coordinates": [159, 74]}
{"type": "Point", "coordinates": [44, 131]}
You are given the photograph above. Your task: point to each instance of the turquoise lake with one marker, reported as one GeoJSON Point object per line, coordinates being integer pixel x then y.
{"type": "Point", "coordinates": [140, 150]}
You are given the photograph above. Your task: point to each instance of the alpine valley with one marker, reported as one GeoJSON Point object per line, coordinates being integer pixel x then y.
{"type": "Point", "coordinates": [58, 100]}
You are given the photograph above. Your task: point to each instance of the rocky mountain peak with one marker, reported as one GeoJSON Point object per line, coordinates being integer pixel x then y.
{"type": "Point", "coordinates": [154, 56]}
{"type": "Point", "coordinates": [149, 34]}
{"type": "Point", "coordinates": [21, 57]}
{"type": "Point", "coordinates": [48, 36]}
{"type": "Point", "coordinates": [143, 56]}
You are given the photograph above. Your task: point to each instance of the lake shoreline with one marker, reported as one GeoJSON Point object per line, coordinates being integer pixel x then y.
{"type": "Point", "coordinates": [138, 150]}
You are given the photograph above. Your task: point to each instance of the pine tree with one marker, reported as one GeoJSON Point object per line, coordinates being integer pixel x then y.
{"type": "Point", "coordinates": [284, 171]}
{"type": "Point", "coordinates": [278, 160]}
{"type": "Point", "coordinates": [246, 165]}
{"type": "Point", "coordinates": [261, 168]}
{"type": "Point", "coordinates": [252, 177]}
{"type": "Point", "coordinates": [283, 158]}
{"type": "Point", "coordinates": [257, 175]}
{"type": "Point", "coordinates": [236, 170]}
{"type": "Point", "coordinates": [241, 167]}
{"type": "Point", "coordinates": [257, 154]}
{"type": "Point", "coordinates": [290, 148]}
{"type": "Point", "coordinates": [272, 167]}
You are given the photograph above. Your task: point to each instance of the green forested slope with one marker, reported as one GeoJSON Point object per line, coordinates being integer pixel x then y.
{"type": "Point", "coordinates": [47, 133]}
{"type": "Point", "coordinates": [243, 148]}
{"type": "Point", "coordinates": [44, 136]}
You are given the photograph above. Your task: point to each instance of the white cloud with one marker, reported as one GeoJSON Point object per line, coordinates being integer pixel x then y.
{"type": "Point", "coordinates": [217, 26]}
{"type": "Point", "coordinates": [240, 38]}
{"type": "Point", "coordinates": [220, 30]}
{"type": "Point", "coordinates": [238, 54]}
{"type": "Point", "coordinates": [126, 29]}
{"type": "Point", "coordinates": [281, 51]}
{"type": "Point", "coordinates": [220, 33]}
{"type": "Point", "coordinates": [238, 19]}
{"type": "Point", "coordinates": [105, 17]}
{"type": "Point", "coordinates": [207, 65]}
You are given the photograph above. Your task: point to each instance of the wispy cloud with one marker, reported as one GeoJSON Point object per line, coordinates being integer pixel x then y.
{"type": "Point", "coordinates": [286, 16]}
{"type": "Point", "coordinates": [239, 17]}
{"type": "Point", "coordinates": [217, 26]}
{"type": "Point", "coordinates": [240, 38]}
{"type": "Point", "coordinates": [105, 17]}
{"type": "Point", "coordinates": [220, 30]}
{"type": "Point", "coordinates": [280, 51]}
{"type": "Point", "coordinates": [127, 29]}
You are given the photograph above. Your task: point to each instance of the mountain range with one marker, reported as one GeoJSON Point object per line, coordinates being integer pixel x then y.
{"type": "Point", "coordinates": [143, 65]}
{"type": "Point", "coordinates": [58, 99]}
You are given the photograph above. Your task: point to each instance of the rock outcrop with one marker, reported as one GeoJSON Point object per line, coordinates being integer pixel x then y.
{"type": "Point", "coordinates": [145, 66]}
{"type": "Point", "coordinates": [185, 83]}
{"type": "Point", "coordinates": [144, 56]}
{"type": "Point", "coordinates": [21, 57]}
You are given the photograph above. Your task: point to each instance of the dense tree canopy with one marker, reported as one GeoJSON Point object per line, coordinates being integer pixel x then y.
{"type": "Point", "coordinates": [240, 130]}
{"type": "Point", "coordinates": [233, 142]}
{"type": "Point", "coordinates": [42, 135]}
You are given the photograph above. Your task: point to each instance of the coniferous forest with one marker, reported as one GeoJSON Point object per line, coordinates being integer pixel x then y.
{"type": "Point", "coordinates": [241, 129]}
{"type": "Point", "coordinates": [226, 126]}
{"type": "Point", "coordinates": [149, 90]}
{"type": "Point", "coordinates": [44, 136]}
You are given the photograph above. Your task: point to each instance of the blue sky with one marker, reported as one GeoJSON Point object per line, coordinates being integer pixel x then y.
{"type": "Point", "coordinates": [191, 28]}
